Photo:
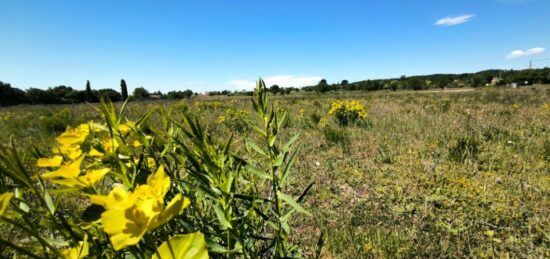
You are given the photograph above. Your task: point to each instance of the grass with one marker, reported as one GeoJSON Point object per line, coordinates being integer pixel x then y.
{"type": "Point", "coordinates": [456, 174]}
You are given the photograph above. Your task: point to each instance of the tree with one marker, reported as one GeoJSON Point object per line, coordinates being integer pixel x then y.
{"type": "Point", "coordinates": [177, 95]}
{"type": "Point", "coordinates": [344, 83]}
{"type": "Point", "coordinates": [140, 93]}
{"type": "Point", "coordinates": [11, 95]}
{"type": "Point", "coordinates": [274, 89]}
{"type": "Point", "coordinates": [123, 90]}
{"type": "Point", "coordinates": [39, 96]}
{"type": "Point", "coordinates": [108, 94]}
{"type": "Point", "coordinates": [75, 96]}
{"type": "Point", "coordinates": [89, 94]}
{"type": "Point", "coordinates": [322, 86]}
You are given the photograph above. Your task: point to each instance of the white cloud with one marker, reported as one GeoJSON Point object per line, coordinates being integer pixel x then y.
{"type": "Point", "coordinates": [455, 20]}
{"type": "Point", "coordinates": [524, 53]}
{"type": "Point", "coordinates": [243, 84]}
{"type": "Point", "coordinates": [281, 80]}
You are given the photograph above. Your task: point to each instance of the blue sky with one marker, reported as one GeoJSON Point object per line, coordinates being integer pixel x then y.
{"type": "Point", "coordinates": [213, 45]}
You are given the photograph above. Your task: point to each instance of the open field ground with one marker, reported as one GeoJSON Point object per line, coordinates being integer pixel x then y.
{"type": "Point", "coordinates": [460, 174]}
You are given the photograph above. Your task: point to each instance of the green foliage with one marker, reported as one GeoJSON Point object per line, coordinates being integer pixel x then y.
{"type": "Point", "coordinates": [465, 148]}
{"type": "Point", "coordinates": [235, 206]}
{"type": "Point", "coordinates": [392, 191]}
{"type": "Point", "coordinates": [140, 93]}
{"type": "Point", "coordinates": [337, 135]}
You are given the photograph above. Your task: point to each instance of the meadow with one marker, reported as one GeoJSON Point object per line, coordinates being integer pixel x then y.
{"type": "Point", "coordinates": [424, 174]}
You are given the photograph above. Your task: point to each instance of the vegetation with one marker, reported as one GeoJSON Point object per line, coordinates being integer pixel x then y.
{"type": "Point", "coordinates": [168, 192]}
{"type": "Point", "coordinates": [66, 95]}
{"type": "Point", "coordinates": [450, 174]}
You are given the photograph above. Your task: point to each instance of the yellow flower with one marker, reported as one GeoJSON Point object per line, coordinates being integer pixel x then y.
{"type": "Point", "coordinates": [87, 180]}
{"type": "Point", "coordinates": [95, 153]}
{"type": "Point", "coordinates": [72, 152]}
{"type": "Point", "coordinates": [71, 170]}
{"type": "Point", "coordinates": [74, 136]}
{"type": "Point", "coordinates": [80, 251]}
{"type": "Point", "coordinates": [118, 198]}
{"type": "Point", "coordinates": [124, 129]}
{"type": "Point", "coordinates": [50, 162]}
{"type": "Point", "coordinates": [109, 145]}
{"type": "Point", "coordinates": [96, 127]}
{"type": "Point", "coordinates": [128, 216]}
{"type": "Point", "coordinates": [151, 162]}
{"type": "Point", "coordinates": [183, 246]}
{"type": "Point", "coordinates": [137, 143]}
{"type": "Point", "coordinates": [4, 202]}
{"type": "Point", "coordinates": [157, 186]}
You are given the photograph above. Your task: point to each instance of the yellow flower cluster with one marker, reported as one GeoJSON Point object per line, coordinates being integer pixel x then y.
{"type": "Point", "coordinates": [129, 215]}
{"type": "Point", "coordinates": [234, 119]}
{"type": "Point", "coordinates": [352, 106]}
{"type": "Point", "coordinates": [68, 159]}
{"type": "Point", "coordinates": [72, 149]}
{"type": "Point", "coordinates": [207, 105]}
{"type": "Point", "coordinates": [347, 112]}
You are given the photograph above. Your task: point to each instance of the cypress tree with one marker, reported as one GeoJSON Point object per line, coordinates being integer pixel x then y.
{"type": "Point", "coordinates": [89, 94]}
{"type": "Point", "coordinates": [123, 90]}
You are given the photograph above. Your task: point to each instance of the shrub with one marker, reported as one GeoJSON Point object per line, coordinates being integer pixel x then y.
{"type": "Point", "coordinates": [347, 112]}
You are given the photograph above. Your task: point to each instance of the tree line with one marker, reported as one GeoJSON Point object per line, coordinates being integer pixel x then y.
{"type": "Point", "coordinates": [480, 79]}
{"type": "Point", "coordinates": [67, 95]}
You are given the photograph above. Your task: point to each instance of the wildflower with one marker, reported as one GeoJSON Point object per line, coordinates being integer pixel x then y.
{"type": "Point", "coordinates": [183, 246]}
{"type": "Point", "coordinates": [127, 127]}
{"type": "Point", "coordinates": [80, 251]}
{"type": "Point", "coordinates": [137, 143]}
{"type": "Point", "coordinates": [129, 215]}
{"type": "Point", "coordinates": [70, 141]}
{"type": "Point", "coordinates": [74, 136]}
{"type": "Point", "coordinates": [70, 170]}
{"type": "Point", "coordinates": [88, 180]}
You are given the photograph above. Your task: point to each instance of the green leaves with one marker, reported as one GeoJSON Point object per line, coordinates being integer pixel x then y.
{"type": "Point", "coordinates": [290, 201]}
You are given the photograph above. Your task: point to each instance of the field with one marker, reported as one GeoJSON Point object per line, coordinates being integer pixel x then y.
{"type": "Point", "coordinates": [426, 174]}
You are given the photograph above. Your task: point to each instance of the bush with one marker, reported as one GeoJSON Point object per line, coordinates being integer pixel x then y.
{"type": "Point", "coordinates": [347, 112]}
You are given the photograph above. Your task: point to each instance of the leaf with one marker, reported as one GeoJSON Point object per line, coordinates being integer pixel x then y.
{"type": "Point", "coordinates": [290, 201]}
{"type": "Point", "coordinates": [221, 217]}
{"type": "Point", "coordinates": [279, 160]}
{"type": "Point", "coordinates": [258, 173]}
{"type": "Point", "coordinates": [272, 139]}
{"type": "Point", "coordinates": [49, 202]}
{"type": "Point", "coordinates": [305, 192]}
{"type": "Point", "coordinates": [282, 121]}
{"type": "Point", "coordinates": [22, 204]}
{"type": "Point", "coordinates": [289, 166]}
{"type": "Point", "coordinates": [183, 246]}
{"type": "Point", "coordinates": [290, 142]}
{"type": "Point", "coordinates": [255, 147]}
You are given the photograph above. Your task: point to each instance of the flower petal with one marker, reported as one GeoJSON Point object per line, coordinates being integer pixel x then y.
{"type": "Point", "coordinates": [50, 162]}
